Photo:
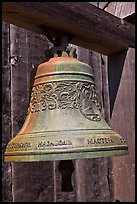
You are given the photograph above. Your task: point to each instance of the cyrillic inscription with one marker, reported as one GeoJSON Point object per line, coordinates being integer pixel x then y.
{"type": "Point", "coordinates": [19, 145]}
{"type": "Point", "coordinates": [99, 141]}
{"type": "Point", "coordinates": [54, 143]}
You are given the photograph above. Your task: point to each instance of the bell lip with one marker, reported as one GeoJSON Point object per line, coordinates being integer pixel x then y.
{"type": "Point", "coordinates": [51, 148]}
{"type": "Point", "coordinates": [66, 156]}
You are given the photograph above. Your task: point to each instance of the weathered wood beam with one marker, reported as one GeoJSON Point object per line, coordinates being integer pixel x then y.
{"type": "Point", "coordinates": [90, 27]}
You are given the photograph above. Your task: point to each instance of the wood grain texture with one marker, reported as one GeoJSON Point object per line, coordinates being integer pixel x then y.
{"type": "Point", "coordinates": [6, 114]}
{"type": "Point", "coordinates": [123, 115]}
{"type": "Point", "coordinates": [121, 9]}
{"type": "Point", "coordinates": [92, 179]}
{"type": "Point", "coordinates": [30, 183]}
{"type": "Point", "coordinates": [122, 119]}
{"type": "Point", "coordinates": [123, 122]}
{"type": "Point", "coordinates": [89, 26]}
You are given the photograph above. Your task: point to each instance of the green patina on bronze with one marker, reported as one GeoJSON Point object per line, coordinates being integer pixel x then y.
{"type": "Point", "coordinates": [64, 120]}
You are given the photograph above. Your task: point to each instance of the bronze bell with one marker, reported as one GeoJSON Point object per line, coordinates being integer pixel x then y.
{"type": "Point", "coordinates": [64, 121]}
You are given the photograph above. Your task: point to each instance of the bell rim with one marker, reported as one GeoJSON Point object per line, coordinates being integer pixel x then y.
{"type": "Point", "coordinates": [66, 156]}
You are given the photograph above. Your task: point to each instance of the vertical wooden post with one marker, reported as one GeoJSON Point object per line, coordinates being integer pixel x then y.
{"type": "Point", "coordinates": [6, 113]}
{"type": "Point", "coordinates": [33, 181]}
{"type": "Point", "coordinates": [123, 122]}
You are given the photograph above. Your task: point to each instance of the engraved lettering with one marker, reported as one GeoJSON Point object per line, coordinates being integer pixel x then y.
{"type": "Point", "coordinates": [19, 145]}
{"type": "Point", "coordinates": [99, 140]}
{"type": "Point", "coordinates": [54, 143]}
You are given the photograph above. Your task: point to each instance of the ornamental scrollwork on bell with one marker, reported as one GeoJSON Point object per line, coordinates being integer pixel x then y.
{"type": "Point", "coordinates": [66, 94]}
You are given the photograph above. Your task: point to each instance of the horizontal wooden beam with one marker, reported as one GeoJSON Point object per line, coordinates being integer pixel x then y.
{"type": "Point", "coordinates": [89, 26]}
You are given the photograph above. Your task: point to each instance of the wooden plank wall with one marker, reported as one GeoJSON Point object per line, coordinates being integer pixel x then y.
{"type": "Point", "coordinates": [123, 122]}
{"type": "Point", "coordinates": [6, 112]}
{"type": "Point", "coordinates": [121, 9]}
{"type": "Point", "coordinates": [28, 179]}
{"type": "Point", "coordinates": [94, 180]}
{"type": "Point", "coordinates": [123, 116]}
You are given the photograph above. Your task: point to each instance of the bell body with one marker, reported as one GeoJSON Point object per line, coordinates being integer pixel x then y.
{"type": "Point", "coordinates": [63, 120]}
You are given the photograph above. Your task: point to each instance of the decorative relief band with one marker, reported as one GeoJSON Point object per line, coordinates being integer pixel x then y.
{"type": "Point", "coordinates": [62, 143]}
{"type": "Point", "coordinates": [66, 95]}
{"type": "Point", "coordinates": [87, 101]}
